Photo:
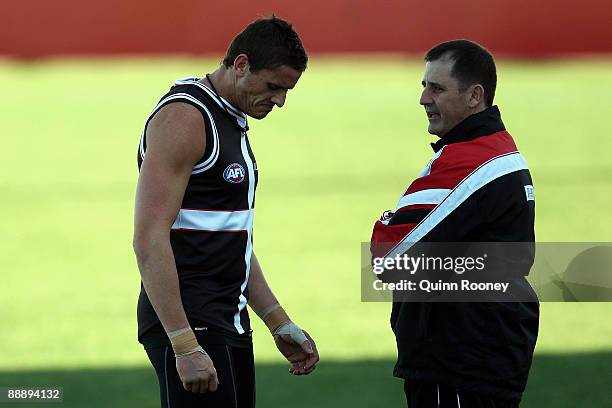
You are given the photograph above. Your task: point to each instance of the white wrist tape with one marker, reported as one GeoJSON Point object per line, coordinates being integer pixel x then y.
{"type": "Point", "coordinates": [293, 331]}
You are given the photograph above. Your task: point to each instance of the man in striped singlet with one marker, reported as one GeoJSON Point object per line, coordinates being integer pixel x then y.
{"type": "Point", "coordinates": [193, 236]}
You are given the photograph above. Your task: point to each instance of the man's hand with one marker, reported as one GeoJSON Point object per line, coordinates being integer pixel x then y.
{"type": "Point", "coordinates": [197, 372]}
{"type": "Point", "coordinates": [298, 348]}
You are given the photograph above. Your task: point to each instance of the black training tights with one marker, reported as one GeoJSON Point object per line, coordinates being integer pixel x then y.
{"type": "Point", "coordinates": [235, 370]}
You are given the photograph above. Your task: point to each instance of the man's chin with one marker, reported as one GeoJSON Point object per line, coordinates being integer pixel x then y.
{"type": "Point", "coordinates": [433, 130]}
{"type": "Point", "coordinates": [259, 114]}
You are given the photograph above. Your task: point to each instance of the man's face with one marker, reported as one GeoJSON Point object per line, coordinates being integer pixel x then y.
{"type": "Point", "coordinates": [258, 92]}
{"type": "Point", "coordinates": [445, 104]}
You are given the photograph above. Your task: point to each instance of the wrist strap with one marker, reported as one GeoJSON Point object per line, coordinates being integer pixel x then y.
{"type": "Point", "coordinates": [183, 341]}
{"type": "Point", "coordinates": [275, 318]}
{"type": "Point", "coordinates": [198, 349]}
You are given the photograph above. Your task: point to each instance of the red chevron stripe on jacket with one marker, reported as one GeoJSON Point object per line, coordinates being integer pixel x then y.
{"type": "Point", "coordinates": [449, 167]}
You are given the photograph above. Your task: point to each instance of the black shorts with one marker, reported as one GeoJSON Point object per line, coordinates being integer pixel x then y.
{"type": "Point", "coordinates": [235, 370]}
{"type": "Point", "coordinates": [421, 394]}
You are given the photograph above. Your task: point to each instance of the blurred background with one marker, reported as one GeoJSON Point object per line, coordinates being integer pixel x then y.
{"type": "Point", "coordinates": [79, 78]}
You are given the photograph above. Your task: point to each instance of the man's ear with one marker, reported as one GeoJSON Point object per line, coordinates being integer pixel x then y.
{"type": "Point", "coordinates": [476, 95]}
{"type": "Point", "coordinates": [241, 65]}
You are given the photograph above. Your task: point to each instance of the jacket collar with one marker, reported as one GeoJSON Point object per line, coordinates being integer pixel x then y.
{"type": "Point", "coordinates": [479, 124]}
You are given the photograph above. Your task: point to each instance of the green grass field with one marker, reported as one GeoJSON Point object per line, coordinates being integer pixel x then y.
{"type": "Point", "coordinates": [350, 138]}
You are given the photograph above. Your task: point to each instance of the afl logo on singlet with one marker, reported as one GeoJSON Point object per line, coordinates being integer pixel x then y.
{"type": "Point", "coordinates": [234, 173]}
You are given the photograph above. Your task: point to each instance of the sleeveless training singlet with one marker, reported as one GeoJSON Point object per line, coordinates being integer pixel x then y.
{"type": "Point", "coordinates": [212, 235]}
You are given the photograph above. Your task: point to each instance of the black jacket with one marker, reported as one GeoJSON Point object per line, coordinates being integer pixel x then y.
{"type": "Point", "coordinates": [485, 195]}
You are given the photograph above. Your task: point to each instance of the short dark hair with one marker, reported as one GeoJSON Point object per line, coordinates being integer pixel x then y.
{"type": "Point", "coordinates": [473, 64]}
{"type": "Point", "coordinates": [269, 43]}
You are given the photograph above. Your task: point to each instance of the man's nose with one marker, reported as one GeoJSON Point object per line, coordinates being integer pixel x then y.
{"type": "Point", "coordinates": [279, 99]}
{"type": "Point", "coordinates": [425, 98]}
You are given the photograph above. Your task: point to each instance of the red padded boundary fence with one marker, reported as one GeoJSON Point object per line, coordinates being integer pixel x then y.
{"type": "Point", "coordinates": [35, 28]}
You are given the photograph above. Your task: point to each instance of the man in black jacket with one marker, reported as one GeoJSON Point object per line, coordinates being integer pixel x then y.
{"type": "Point", "coordinates": [476, 188]}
